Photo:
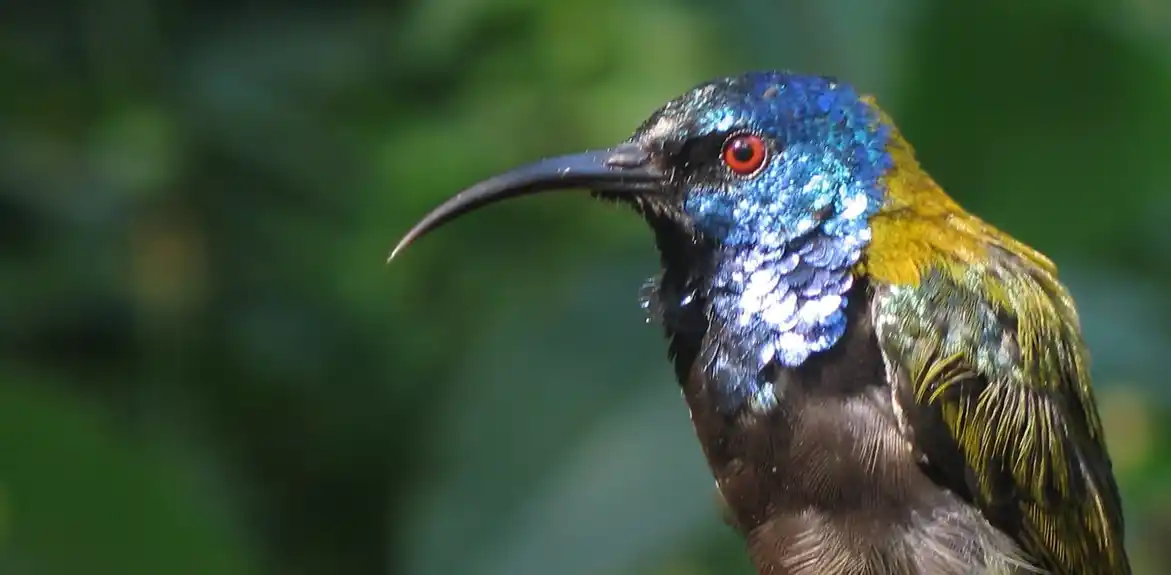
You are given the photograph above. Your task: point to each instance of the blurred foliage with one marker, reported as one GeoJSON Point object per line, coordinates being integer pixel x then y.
{"type": "Point", "coordinates": [205, 367]}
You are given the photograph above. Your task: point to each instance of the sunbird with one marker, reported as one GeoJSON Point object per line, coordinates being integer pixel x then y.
{"type": "Point", "coordinates": [881, 382]}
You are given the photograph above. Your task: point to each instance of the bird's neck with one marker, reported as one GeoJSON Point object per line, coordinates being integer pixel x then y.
{"type": "Point", "coordinates": [741, 312]}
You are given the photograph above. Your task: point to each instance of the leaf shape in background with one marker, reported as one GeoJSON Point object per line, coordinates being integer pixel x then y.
{"type": "Point", "coordinates": [80, 497]}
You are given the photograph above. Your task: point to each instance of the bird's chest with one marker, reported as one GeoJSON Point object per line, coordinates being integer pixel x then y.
{"type": "Point", "coordinates": [824, 478]}
{"type": "Point", "coordinates": [822, 433]}
{"type": "Point", "coordinates": [830, 448]}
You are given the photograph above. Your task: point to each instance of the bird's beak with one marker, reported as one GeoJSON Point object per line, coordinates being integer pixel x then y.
{"type": "Point", "coordinates": [624, 169]}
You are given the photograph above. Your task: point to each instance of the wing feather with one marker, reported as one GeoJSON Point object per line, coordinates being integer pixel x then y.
{"type": "Point", "coordinates": [991, 374]}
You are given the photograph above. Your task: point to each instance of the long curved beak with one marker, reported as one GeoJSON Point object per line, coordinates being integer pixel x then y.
{"type": "Point", "coordinates": [624, 169]}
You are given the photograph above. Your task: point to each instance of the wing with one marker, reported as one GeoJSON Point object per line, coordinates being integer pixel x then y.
{"type": "Point", "coordinates": [991, 375]}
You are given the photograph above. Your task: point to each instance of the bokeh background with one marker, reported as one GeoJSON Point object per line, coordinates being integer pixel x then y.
{"type": "Point", "coordinates": [206, 367]}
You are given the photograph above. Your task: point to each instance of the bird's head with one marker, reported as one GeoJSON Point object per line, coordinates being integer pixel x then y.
{"type": "Point", "coordinates": [763, 191]}
{"type": "Point", "coordinates": [754, 161]}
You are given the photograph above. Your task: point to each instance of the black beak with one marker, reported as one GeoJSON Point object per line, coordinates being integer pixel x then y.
{"type": "Point", "coordinates": [625, 169]}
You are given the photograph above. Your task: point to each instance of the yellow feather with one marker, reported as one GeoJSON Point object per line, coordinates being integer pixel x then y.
{"type": "Point", "coordinates": [920, 222]}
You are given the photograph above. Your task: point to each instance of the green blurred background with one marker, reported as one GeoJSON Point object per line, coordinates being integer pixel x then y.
{"type": "Point", "coordinates": [206, 368]}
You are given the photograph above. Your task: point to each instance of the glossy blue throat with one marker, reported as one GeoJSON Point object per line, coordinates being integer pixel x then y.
{"type": "Point", "coordinates": [787, 237]}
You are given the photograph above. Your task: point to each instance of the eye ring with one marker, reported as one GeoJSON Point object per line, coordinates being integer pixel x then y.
{"type": "Point", "coordinates": [744, 153]}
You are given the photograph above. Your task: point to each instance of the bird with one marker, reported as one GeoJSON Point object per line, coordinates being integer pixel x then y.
{"type": "Point", "coordinates": [880, 381]}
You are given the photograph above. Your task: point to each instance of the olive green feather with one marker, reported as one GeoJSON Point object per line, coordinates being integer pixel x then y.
{"type": "Point", "coordinates": [991, 374]}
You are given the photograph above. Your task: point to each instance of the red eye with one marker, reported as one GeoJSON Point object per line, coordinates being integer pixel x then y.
{"type": "Point", "coordinates": [745, 153]}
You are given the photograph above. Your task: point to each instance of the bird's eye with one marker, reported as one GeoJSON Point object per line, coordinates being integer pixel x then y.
{"type": "Point", "coordinates": [744, 154]}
